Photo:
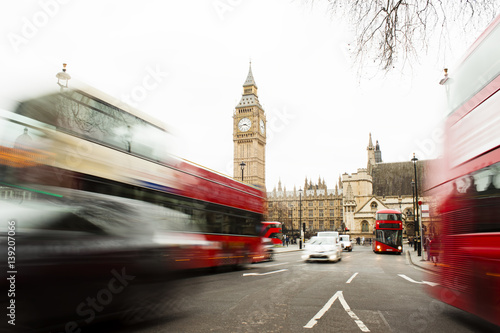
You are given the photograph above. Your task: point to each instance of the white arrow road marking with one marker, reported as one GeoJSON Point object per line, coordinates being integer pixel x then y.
{"type": "Point", "coordinates": [327, 306]}
{"type": "Point", "coordinates": [432, 284]}
{"type": "Point", "coordinates": [259, 274]}
{"type": "Point", "coordinates": [352, 277]}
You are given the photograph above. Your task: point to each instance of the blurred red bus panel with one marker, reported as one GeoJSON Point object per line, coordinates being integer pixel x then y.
{"type": "Point", "coordinates": [465, 184]}
{"type": "Point", "coordinates": [82, 139]}
{"type": "Point", "coordinates": [272, 230]}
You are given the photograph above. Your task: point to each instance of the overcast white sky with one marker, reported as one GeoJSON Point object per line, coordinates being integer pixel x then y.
{"type": "Point", "coordinates": [185, 63]}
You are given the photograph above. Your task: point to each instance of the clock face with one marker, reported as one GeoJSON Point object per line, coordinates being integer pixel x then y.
{"type": "Point", "coordinates": [244, 124]}
{"type": "Point", "coordinates": [262, 126]}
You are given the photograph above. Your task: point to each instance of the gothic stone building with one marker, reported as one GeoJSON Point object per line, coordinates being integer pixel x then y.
{"type": "Point", "coordinates": [351, 206]}
{"type": "Point", "coordinates": [321, 207]}
{"type": "Point", "coordinates": [381, 186]}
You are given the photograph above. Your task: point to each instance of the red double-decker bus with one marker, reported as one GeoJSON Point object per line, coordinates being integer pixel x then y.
{"type": "Point", "coordinates": [466, 183]}
{"type": "Point", "coordinates": [388, 232]}
{"type": "Point", "coordinates": [85, 140]}
{"type": "Point", "coordinates": [272, 230]}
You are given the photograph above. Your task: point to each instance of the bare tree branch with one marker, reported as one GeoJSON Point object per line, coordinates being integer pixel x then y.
{"type": "Point", "coordinates": [393, 33]}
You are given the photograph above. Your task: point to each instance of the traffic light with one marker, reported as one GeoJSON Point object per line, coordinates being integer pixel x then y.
{"type": "Point", "coordinates": [304, 227]}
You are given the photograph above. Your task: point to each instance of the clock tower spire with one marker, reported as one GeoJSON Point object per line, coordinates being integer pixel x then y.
{"type": "Point", "coordinates": [249, 136]}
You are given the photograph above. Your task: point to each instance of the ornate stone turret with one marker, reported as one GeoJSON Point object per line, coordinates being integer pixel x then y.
{"type": "Point", "coordinates": [378, 154]}
{"type": "Point", "coordinates": [371, 155]}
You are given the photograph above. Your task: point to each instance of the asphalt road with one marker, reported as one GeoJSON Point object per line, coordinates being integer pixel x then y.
{"type": "Point", "coordinates": [365, 292]}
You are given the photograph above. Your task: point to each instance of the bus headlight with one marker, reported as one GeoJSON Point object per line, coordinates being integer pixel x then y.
{"type": "Point", "coordinates": [378, 247]}
{"type": "Point", "coordinates": [399, 248]}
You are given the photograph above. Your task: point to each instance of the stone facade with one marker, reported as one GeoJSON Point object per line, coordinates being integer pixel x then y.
{"type": "Point", "coordinates": [352, 205]}
{"type": "Point", "coordinates": [321, 207]}
{"type": "Point", "coordinates": [381, 186]}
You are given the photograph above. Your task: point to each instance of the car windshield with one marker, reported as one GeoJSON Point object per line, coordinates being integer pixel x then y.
{"type": "Point", "coordinates": [323, 241]}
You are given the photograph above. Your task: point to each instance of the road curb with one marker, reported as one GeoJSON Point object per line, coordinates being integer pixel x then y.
{"type": "Point", "coordinates": [408, 256]}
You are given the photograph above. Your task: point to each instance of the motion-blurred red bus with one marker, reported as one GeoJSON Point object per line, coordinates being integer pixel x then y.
{"type": "Point", "coordinates": [466, 186]}
{"type": "Point", "coordinates": [83, 139]}
{"type": "Point", "coordinates": [272, 230]}
{"type": "Point", "coordinates": [388, 232]}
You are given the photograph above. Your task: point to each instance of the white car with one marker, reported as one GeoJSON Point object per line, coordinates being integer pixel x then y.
{"type": "Point", "coordinates": [322, 249]}
{"type": "Point", "coordinates": [345, 242]}
{"type": "Point", "coordinates": [328, 234]}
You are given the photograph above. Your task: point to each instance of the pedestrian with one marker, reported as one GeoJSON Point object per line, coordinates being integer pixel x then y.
{"type": "Point", "coordinates": [363, 240]}
{"type": "Point", "coordinates": [358, 240]}
{"type": "Point", "coordinates": [434, 248]}
{"type": "Point", "coordinates": [426, 248]}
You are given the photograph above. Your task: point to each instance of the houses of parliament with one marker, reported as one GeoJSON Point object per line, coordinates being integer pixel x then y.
{"type": "Point", "coordinates": [348, 206]}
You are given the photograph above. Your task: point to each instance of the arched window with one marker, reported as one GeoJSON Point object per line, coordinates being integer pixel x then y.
{"type": "Point", "coordinates": [374, 205]}
{"type": "Point", "coordinates": [365, 227]}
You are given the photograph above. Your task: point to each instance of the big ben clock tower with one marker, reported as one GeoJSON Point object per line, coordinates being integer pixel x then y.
{"type": "Point", "coordinates": [249, 136]}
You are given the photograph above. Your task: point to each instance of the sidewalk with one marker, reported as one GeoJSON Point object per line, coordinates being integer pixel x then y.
{"type": "Point", "coordinates": [289, 248]}
{"type": "Point", "coordinates": [421, 261]}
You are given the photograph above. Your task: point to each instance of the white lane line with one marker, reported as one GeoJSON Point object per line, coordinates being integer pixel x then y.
{"type": "Point", "coordinates": [321, 312]}
{"type": "Point", "coordinates": [352, 277]}
{"type": "Point", "coordinates": [272, 265]}
{"type": "Point", "coordinates": [259, 274]}
{"type": "Point", "coordinates": [385, 321]}
{"type": "Point", "coordinates": [432, 284]}
{"type": "Point", "coordinates": [327, 306]}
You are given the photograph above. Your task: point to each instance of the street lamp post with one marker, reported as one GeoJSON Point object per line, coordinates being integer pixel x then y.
{"type": "Point", "coordinates": [242, 166]}
{"type": "Point", "coordinates": [414, 221]}
{"type": "Point", "coordinates": [63, 78]}
{"type": "Point", "coordinates": [419, 238]}
{"type": "Point", "coordinates": [300, 219]}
